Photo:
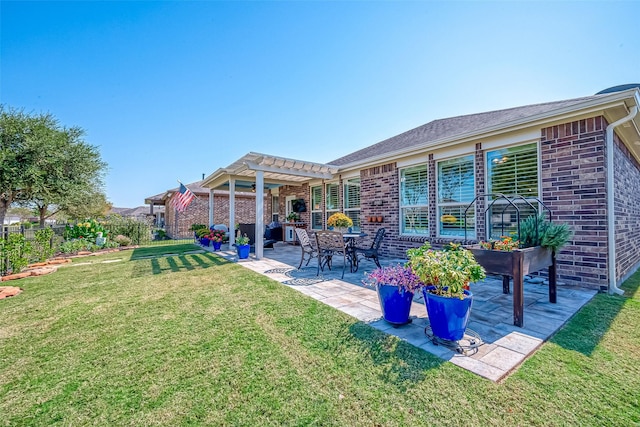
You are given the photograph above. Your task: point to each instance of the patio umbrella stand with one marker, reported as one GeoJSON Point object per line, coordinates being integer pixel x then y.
{"type": "Point", "coordinates": [467, 345]}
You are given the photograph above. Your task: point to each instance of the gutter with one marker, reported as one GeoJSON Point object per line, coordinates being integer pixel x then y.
{"type": "Point", "coordinates": [611, 241]}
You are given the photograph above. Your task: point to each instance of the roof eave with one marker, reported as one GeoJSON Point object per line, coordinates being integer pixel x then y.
{"type": "Point", "coordinates": [594, 105]}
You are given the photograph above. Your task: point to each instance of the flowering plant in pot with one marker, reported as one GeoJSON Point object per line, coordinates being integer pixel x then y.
{"type": "Point", "coordinates": [395, 286]}
{"type": "Point", "coordinates": [216, 237]}
{"type": "Point", "coordinates": [339, 221]}
{"type": "Point", "coordinates": [447, 274]}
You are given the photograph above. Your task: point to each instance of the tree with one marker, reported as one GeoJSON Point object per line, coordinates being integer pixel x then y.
{"type": "Point", "coordinates": [20, 135]}
{"type": "Point", "coordinates": [47, 167]}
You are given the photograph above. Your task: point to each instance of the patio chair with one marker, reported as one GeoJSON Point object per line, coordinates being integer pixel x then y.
{"type": "Point", "coordinates": [308, 246]}
{"type": "Point", "coordinates": [330, 245]}
{"type": "Point", "coordinates": [371, 253]}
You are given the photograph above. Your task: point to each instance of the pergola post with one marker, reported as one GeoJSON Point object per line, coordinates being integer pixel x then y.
{"type": "Point", "coordinates": [232, 211]}
{"type": "Point", "coordinates": [259, 231]}
{"type": "Point", "coordinates": [211, 207]}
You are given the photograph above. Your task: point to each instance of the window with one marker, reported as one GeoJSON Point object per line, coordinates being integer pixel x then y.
{"type": "Point", "coordinates": [512, 171]}
{"type": "Point", "coordinates": [332, 199]}
{"type": "Point", "coordinates": [316, 208]}
{"type": "Point", "coordinates": [275, 208]}
{"type": "Point", "coordinates": [456, 189]}
{"type": "Point", "coordinates": [352, 201]}
{"type": "Point", "coordinates": [414, 212]}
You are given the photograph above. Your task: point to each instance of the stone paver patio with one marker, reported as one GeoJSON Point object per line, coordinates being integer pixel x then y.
{"type": "Point", "coordinates": [505, 346]}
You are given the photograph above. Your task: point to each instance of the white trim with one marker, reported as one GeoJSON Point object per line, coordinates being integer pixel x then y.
{"type": "Point", "coordinates": [513, 139]}
{"type": "Point", "coordinates": [454, 151]}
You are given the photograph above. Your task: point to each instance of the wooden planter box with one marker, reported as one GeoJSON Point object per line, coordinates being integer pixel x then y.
{"type": "Point", "coordinates": [517, 264]}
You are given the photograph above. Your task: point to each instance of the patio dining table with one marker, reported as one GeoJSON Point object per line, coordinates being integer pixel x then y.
{"type": "Point", "coordinates": [350, 245]}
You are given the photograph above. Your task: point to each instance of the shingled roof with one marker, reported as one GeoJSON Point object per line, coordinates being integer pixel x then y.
{"type": "Point", "coordinates": [448, 128]}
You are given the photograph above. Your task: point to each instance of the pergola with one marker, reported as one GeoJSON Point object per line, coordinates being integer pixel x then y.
{"type": "Point", "coordinates": [255, 171]}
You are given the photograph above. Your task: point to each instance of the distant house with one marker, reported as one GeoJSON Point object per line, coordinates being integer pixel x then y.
{"type": "Point", "coordinates": [178, 224]}
{"type": "Point", "coordinates": [580, 157]}
{"type": "Point", "coordinates": [141, 213]}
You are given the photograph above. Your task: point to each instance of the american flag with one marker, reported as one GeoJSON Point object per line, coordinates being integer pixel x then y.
{"type": "Point", "coordinates": [182, 198]}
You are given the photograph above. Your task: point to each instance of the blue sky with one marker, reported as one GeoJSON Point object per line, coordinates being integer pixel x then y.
{"type": "Point", "coordinates": [174, 90]}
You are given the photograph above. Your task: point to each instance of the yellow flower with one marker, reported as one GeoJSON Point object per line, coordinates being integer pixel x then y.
{"type": "Point", "coordinates": [339, 220]}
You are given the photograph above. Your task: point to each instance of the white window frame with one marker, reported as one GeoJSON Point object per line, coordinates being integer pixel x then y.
{"type": "Point", "coordinates": [331, 209]}
{"type": "Point", "coordinates": [316, 208]}
{"type": "Point", "coordinates": [489, 187]}
{"type": "Point", "coordinates": [421, 206]}
{"type": "Point", "coordinates": [462, 204]}
{"type": "Point", "coordinates": [352, 212]}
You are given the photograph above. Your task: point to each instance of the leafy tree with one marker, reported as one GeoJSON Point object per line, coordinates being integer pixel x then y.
{"type": "Point", "coordinates": [20, 136]}
{"type": "Point", "coordinates": [48, 167]}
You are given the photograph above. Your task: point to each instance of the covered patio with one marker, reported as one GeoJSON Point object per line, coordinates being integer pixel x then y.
{"type": "Point", "coordinates": [504, 347]}
{"type": "Point", "coordinates": [259, 172]}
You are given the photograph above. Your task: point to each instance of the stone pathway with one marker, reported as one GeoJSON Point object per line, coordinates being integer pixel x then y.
{"type": "Point", "coordinates": [505, 346]}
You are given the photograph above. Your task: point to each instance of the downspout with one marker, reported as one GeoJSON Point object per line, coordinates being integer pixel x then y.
{"type": "Point", "coordinates": [611, 223]}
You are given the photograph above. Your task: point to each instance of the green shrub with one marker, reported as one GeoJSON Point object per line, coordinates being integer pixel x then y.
{"type": "Point", "coordinates": [17, 251]}
{"type": "Point", "coordinates": [77, 245]}
{"type": "Point", "coordinates": [138, 231]}
{"type": "Point", "coordinates": [122, 240]}
{"type": "Point", "coordinates": [43, 246]}
{"type": "Point", "coordinates": [88, 229]}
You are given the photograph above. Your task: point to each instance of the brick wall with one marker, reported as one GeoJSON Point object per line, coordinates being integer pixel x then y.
{"type": "Point", "coordinates": [178, 225]}
{"type": "Point", "coordinates": [627, 208]}
{"type": "Point", "coordinates": [299, 192]}
{"type": "Point", "coordinates": [574, 188]}
{"type": "Point", "coordinates": [380, 196]}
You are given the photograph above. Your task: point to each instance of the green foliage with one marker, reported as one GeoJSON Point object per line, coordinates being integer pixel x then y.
{"type": "Point", "coordinates": [137, 230]}
{"type": "Point", "coordinates": [539, 231]}
{"type": "Point", "coordinates": [196, 227]}
{"type": "Point", "coordinates": [46, 165]}
{"type": "Point", "coordinates": [17, 251]}
{"type": "Point", "coordinates": [43, 246]}
{"type": "Point", "coordinates": [77, 245]}
{"type": "Point", "coordinates": [122, 240]}
{"type": "Point", "coordinates": [87, 229]}
{"type": "Point", "coordinates": [242, 240]}
{"type": "Point", "coordinates": [450, 270]}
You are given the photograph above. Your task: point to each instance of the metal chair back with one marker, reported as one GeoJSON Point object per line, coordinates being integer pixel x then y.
{"type": "Point", "coordinates": [330, 244]}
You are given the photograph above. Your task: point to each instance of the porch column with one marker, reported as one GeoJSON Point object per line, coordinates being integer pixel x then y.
{"type": "Point", "coordinates": [259, 231]}
{"type": "Point", "coordinates": [232, 211]}
{"type": "Point", "coordinates": [211, 207]}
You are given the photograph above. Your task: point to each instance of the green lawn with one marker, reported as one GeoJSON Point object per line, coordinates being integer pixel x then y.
{"type": "Point", "coordinates": [191, 339]}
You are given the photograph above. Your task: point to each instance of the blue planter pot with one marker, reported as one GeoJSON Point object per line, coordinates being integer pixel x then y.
{"type": "Point", "coordinates": [243, 251]}
{"type": "Point", "coordinates": [217, 246]}
{"type": "Point", "coordinates": [448, 316]}
{"type": "Point", "coordinates": [394, 303]}
{"type": "Point", "coordinates": [204, 241]}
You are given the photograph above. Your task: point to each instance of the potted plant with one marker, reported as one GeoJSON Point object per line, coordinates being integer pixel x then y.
{"type": "Point", "coordinates": [395, 286]}
{"type": "Point", "coordinates": [243, 247]}
{"type": "Point", "coordinates": [216, 237]}
{"type": "Point", "coordinates": [203, 236]}
{"type": "Point", "coordinates": [339, 222]}
{"type": "Point", "coordinates": [447, 274]}
{"type": "Point", "coordinates": [293, 217]}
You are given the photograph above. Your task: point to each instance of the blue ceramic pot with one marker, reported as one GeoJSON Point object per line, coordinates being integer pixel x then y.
{"type": "Point", "coordinates": [243, 251]}
{"type": "Point", "coordinates": [394, 303]}
{"type": "Point", "coordinates": [217, 246]}
{"type": "Point", "coordinates": [204, 241]}
{"type": "Point", "coordinates": [448, 316]}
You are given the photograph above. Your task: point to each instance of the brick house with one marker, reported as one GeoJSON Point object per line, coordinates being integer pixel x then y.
{"type": "Point", "coordinates": [579, 157]}
{"type": "Point", "coordinates": [178, 224]}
